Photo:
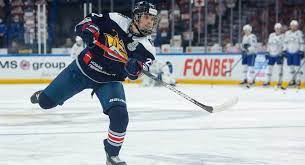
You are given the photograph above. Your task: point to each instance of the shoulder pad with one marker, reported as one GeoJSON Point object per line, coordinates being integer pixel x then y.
{"type": "Point", "coordinates": [121, 20]}
{"type": "Point", "coordinates": [147, 44]}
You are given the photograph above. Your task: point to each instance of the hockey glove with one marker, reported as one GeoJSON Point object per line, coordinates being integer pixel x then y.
{"type": "Point", "coordinates": [284, 54]}
{"type": "Point", "coordinates": [301, 54]}
{"type": "Point", "coordinates": [89, 34]}
{"type": "Point", "coordinates": [246, 46]}
{"type": "Point", "coordinates": [133, 67]}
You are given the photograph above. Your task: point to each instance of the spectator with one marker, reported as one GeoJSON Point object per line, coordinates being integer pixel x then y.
{"type": "Point", "coordinates": [68, 43]}
{"type": "Point", "coordinates": [29, 22]}
{"type": "Point", "coordinates": [2, 10]}
{"type": "Point", "coordinates": [15, 32]}
{"type": "Point", "coordinates": [211, 18]}
{"type": "Point", "coordinates": [14, 47]}
{"type": "Point", "coordinates": [2, 33]}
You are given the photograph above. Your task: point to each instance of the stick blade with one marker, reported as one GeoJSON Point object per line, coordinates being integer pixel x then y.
{"type": "Point", "coordinates": [226, 105]}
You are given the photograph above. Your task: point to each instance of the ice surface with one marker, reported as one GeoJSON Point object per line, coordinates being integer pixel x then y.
{"type": "Point", "coordinates": [266, 127]}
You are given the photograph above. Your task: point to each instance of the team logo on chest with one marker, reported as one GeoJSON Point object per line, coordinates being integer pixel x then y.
{"type": "Point", "coordinates": [116, 44]}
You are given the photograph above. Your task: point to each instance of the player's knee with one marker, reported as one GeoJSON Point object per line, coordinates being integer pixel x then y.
{"type": "Point", "coordinates": [45, 102]}
{"type": "Point", "coordinates": [118, 117]}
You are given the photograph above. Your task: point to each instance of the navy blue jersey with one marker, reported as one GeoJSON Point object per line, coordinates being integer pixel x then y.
{"type": "Point", "coordinates": [100, 66]}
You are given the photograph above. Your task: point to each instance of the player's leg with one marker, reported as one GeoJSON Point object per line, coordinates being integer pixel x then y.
{"type": "Point", "coordinates": [112, 98]}
{"type": "Point", "coordinates": [244, 68]}
{"type": "Point", "coordinates": [279, 62]}
{"type": "Point", "coordinates": [297, 65]}
{"type": "Point", "coordinates": [290, 63]}
{"type": "Point", "coordinates": [251, 70]}
{"type": "Point", "coordinates": [68, 83]}
{"type": "Point", "coordinates": [289, 80]}
{"type": "Point", "coordinates": [271, 62]}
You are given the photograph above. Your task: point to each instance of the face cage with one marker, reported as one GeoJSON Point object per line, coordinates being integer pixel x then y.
{"type": "Point", "coordinates": [147, 32]}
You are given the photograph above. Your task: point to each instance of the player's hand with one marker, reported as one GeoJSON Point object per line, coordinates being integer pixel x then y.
{"type": "Point", "coordinates": [267, 55]}
{"type": "Point", "coordinates": [89, 34]}
{"type": "Point", "coordinates": [284, 54]}
{"type": "Point", "coordinates": [88, 38]}
{"type": "Point", "coordinates": [246, 46]}
{"type": "Point", "coordinates": [133, 67]}
{"type": "Point", "coordinates": [302, 54]}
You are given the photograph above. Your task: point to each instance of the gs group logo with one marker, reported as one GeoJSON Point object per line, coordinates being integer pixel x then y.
{"type": "Point", "coordinates": [25, 65]}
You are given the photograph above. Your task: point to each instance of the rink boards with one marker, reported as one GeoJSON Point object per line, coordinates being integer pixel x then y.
{"type": "Point", "coordinates": [195, 68]}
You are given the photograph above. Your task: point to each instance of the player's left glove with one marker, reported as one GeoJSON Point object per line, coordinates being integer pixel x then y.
{"type": "Point", "coordinates": [89, 34]}
{"type": "Point", "coordinates": [246, 46]}
{"type": "Point", "coordinates": [284, 54]}
{"type": "Point", "coordinates": [133, 67]}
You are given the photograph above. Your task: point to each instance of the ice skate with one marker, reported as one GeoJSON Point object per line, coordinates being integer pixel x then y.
{"type": "Point", "coordinates": [292, 83]}
{"type": "Point", "coordinates": [298, 84]}
{"type": "Point", "coordinates": [35, 96]}
{"type": "Point", "coordinates": [114, 160]}
{"type": "Point", "coordinates": [243, 82]}
{"type": "Point", "coordinates": [266, 84]}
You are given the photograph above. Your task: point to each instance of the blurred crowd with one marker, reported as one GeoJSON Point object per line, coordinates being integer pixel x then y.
{"type": "Point", "coordinates": [18, 22]}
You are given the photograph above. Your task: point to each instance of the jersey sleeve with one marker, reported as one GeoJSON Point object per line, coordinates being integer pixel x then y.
{"type": "Point", "coordinates": [301, 41]}
{"type": "Point", "coordinates": [145, 52]}
{"type": "Point", "coordinates": [242, 43]}
{"type": "Point", "coordinates": [269, 42]}
{"type": "Point", "coordinates": [253, 43]}
{"type": "Point", "coordinates": [92, 19]}
{"type": "Point", "coordinates": [285, 43]}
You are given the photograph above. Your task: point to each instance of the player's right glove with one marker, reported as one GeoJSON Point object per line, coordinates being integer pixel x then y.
{"type": "Point", "coordinates": [301, 54]}
{"type": "Point", "coordinates": [284, 54]}
{"type": "Point", "coordinates": [133, 68]}
{"type": "Point", "coordinates": [89, 34]}
{"type": "Point", "coordinates": [267, 56]}
{"type": "Point", "coordinates": [246, 46]}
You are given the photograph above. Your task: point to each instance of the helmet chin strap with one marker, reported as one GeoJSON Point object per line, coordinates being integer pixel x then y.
{"type": "Point", "coordinates": [134, 33]}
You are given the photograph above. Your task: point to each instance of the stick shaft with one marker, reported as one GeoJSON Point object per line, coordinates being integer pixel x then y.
{"type": "Point", "coordinates": [172, 88]}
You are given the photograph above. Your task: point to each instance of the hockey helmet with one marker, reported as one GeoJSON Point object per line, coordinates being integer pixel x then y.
{"type": "Point", "coordinates": [294, 23]}
{"type": "Point", "coordinates": [145, 8]}
{"type": "Point", "coordinates": [247, 28]}
{"type": "Point", "coordinates": [277, 26]}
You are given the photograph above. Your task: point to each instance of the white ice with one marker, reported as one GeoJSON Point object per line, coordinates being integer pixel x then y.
{"type": "Point", "coordinates": [266, 127]}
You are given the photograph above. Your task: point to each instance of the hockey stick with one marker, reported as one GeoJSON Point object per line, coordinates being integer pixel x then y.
{"type": "Point", "coordinates": [237, 62]}
{"type": "Point", "coordinates": [207, 108]}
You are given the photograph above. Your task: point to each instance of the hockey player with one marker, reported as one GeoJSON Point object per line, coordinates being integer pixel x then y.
{"type": "Point", "coordinates": [96, 69]}
{"type": "Point", "coordinates": [274, 49]}
{"type": "Point", "coordinates": [293, 51]}
{"type": "Point", "coordinates": [163, 71]}
{"type": "Point", "coordinates": [248, 47]}
{"type": "Point", "coordinates": [166, 73]}
{"type": "Point", "coordinates": [77, 47]}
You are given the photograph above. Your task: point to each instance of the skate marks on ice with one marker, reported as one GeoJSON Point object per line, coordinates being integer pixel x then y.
{"type": "Point", "coordinates": [198, 159]}
{"type": "Point", "coordinates": [75, 117]}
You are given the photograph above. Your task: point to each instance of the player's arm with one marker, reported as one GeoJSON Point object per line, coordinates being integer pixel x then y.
{"type": "Point", "coordinates": [252, 45]}
{"type": "Point", "coordinates": [285, 43]}
{"type": "Point", "coordinates": [301, 40]}
{"type": "Point", "coordinates": [269, 43]}
{"type": "Point", "coordinates": [141, 59]}
{"type": "Point", "coordinates": [241, 46]}
{"type": "Point", "coordinates": [89, 28]}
